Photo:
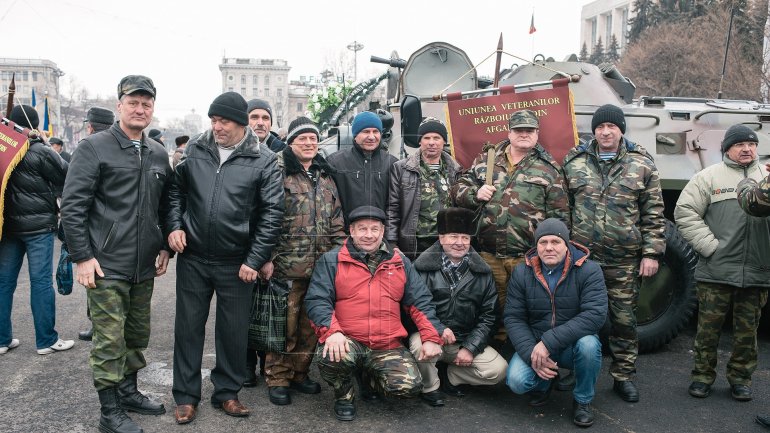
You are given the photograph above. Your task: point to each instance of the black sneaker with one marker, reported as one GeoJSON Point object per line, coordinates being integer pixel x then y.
{"type": "Point", "coordinates": [741, 392]}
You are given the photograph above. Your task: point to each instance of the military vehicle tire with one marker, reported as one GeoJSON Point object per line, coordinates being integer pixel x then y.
{"type": "Point", "coordinates": [666, 301]}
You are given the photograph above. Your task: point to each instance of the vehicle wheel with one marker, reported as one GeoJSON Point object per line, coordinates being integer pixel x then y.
{"type": "Point", "coordinates": [666, 301]}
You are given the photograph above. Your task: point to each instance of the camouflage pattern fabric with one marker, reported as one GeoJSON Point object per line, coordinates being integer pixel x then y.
{"type": "Point", "coordinates": [434, 196]}
{"type": "Point", "coordinates": [120, 314]}
{"type": "Point", "coordinates": [501, 272]}
{"type": "Point", "coordinates": [617, 205]}
{"type": "Point", "coordinates": [293, 364]}
{"type": "Point", "coordinates": [533, 191]}
{"type": "Point", "coordinates": [622, 280]}
{"type": "Point", "coordinates": [754, 197]}
{"type": "Point", "coordinates": [713, 305]}
{"type": "Point", "coordinates": [312, 224]}
{"type": "Point", "coordinates": [392, 372]}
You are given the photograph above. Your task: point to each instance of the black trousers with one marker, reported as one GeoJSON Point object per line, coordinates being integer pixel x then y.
{"type": "Point", "coordinates": [196, 283]}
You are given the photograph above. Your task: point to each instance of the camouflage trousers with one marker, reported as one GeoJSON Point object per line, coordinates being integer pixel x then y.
{"type": "Point", "coordinates": [391, 372]}
{"type": "Point", "coordinates": [294, 363]}
{"type": "Point", "coordinates": [713, 305]}
{"type": "Point", "coordinates": [622, 280]}
{"type": "Point", "coordinates": [120, 314]}
{"type": "Point", "coordinates": [502, 267]}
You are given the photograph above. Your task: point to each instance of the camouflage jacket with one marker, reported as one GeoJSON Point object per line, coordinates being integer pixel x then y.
{"type": "Point", "coordinates": [312, 223]}
{"type": "Point", "coordinates": [617, 206]}
{"type": "Point", "coordinates": [534, 191]}
{"type": "Point", "coordinates": [754, 197]}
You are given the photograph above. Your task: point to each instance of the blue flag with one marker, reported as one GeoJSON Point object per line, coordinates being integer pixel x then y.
{"type": "Point", "coordinates": [34, 101]}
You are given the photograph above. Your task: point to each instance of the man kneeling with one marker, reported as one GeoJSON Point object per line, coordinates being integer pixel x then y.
{"type": "Point", "coordinates": [465, 299]}
{"type": "Point", "coordinates": [354, 303]}
{"type": "Point", "coordinates": [557, 303]}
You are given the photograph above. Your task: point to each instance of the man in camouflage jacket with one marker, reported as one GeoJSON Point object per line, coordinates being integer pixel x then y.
{"type": "Point", "coordinates": [617, 212]}
{"type": "Point", "coordinates": [527, 187]}
{"type": "Point", "coordinates": [754, 197]}
{"type": "Point", "coordinates": [312, 225]}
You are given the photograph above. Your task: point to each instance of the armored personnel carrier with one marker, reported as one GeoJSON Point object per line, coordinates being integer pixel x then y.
{"type": "Point", "coordinates": [682, 134]}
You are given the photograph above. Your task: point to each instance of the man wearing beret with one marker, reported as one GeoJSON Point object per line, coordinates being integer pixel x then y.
{"type": "Point", "coordinates": [363, 171]}
{"type": "Point", "coordinates": [355, 300]}
{"type": "Point", "coordinates": [225, 218]}
{"type": "Point", "coordinates": [115, 199]}
{"type": "Point", "coordinates": [465, 299]}
{"type": "Point", "coordinates": [260, 121]}
{"type": "Point", "coordinates": [419, 189]}
{"type": "Point", "coordinates": [524, 187]}
{"type": "Point", "coordinates": [557, 303]}
{"type": "Point", "coordinates": [617, 212]}
{"type": "Point", "coordinates": [732, 267]}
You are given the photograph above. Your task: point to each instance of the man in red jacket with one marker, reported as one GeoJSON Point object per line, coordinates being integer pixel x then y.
{"type": "Point", "coordinates": [354, 303]}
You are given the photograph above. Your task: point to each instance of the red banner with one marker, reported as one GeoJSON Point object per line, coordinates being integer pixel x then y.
{"type": "Point", "coordinates": [13, 147]}
{"type": "Point", "coordinates": [475, 121]}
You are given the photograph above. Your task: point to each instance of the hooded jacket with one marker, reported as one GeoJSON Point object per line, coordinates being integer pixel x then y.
{"type": "Point", "coordinates": [230, 214]}
{"type": "Point", "coordinates": [576, 307]}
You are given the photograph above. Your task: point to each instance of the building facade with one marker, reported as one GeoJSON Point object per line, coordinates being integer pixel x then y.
{"type": "Point", "coordinates": [266, 79]}
{"type": "Point", "coordinates": [38, 74]}
{"type": "Point", "coordinates": [604, 19]}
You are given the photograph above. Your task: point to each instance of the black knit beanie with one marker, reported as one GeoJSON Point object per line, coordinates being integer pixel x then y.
{"type": "Point", "coordinates": [432, 125]}
{"type": "Point", "coordinates": [552, 226]}
{"type": "Point", "coordinates": [230, 105]}
{"type": "Point", "coordinates": [261, 104]}
{"type": "Point", "coordinates": [609, 113]}
{"type": "Point", "coordinates": [298, 126]}
{"type": "Point", "coordinates": [17, 116]}
{"type": "Point", "coordinates": [738, 134]}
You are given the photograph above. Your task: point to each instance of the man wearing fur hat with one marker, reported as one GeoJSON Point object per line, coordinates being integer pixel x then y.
{"type": "Point", "coordinates": [260, 121]}
{"type": "Point", "coordinates": [731, 270]}
{"type": "Point", "coordinates": [362, 172]}
{"type": "Point", "coordinates": [419, 189]}
{"type": "Point", "coordinates": [557, 303]}
{"type": "Point", "coordinates": [465, 299]}
{"type": "Point", "coordinates": [617, 212]}
{"type": "Point", "coordinates": [356, 297]}
{"type": "Point", "coordinates": [312, 225]}
{"type": "Point", "coordinates": [226, 213]}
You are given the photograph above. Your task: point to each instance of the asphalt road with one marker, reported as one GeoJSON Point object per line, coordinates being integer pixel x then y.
{"type": "Point", "coordinates": [54, 393]}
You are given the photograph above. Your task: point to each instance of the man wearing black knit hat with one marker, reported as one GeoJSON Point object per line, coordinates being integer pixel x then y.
{"type": "Point", "coordinates": [260, 121]}
{"type": "Point", "coordinates": [732, 268]}
{"type": "Point", "coordinates": [226, 213]}
{"type": "Point", "coordinates": [419, 189]}
{"type": "Point", "coordinates": [616, 207]}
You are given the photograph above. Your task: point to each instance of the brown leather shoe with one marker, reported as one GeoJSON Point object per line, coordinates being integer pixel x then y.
{"type": "Point", "coordinates": [184, 413]}
{"type": "Point", "coordinates": [232, 407]}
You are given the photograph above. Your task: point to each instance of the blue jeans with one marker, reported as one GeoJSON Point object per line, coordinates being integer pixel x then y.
{"type": "Point", "coordinates": [39, 251]}
{"type": "Point", "coordinates": [584, 358]}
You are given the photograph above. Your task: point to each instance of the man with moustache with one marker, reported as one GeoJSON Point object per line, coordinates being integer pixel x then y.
{"type": "Point", "coordinates": [260, 121]}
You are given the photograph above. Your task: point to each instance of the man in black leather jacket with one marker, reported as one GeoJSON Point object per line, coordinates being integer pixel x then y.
{"type": "Point", "coordinates": [115, 197]}
{"type": "Point", "coordinates": [465, 298]}
{"type": "Point", "coordinates": [226, 215]}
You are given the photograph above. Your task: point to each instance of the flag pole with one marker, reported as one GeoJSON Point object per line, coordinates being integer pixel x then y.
{"type": "Point", "coordinates": [11, 92]}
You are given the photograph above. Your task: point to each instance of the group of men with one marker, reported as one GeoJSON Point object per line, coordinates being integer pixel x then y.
{"type": "Point", "coordinates": [559, 247]}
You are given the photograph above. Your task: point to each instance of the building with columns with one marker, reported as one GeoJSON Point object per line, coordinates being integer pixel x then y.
{"type": "Point", "coordinates": [603, 19]}
{"type": "Point", "coordinates": [266, 79]}
{"type": "Point", "coordinates": [39, 74]}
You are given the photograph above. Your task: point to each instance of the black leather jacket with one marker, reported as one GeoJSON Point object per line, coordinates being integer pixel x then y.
{"type": "Point", "coordinates": [114, 199]}
{"type": "Point", "coordinates": [30, 196]}
{"type": "Point", "coordinates": [230, 214]}
{"type": "Point", "coordinates": [471, 309]}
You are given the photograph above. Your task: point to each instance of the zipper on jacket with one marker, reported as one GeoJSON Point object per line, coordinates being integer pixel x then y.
{"type": "Point", "coordinates": [140, 201]}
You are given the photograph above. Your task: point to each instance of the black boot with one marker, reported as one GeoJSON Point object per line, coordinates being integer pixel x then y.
{"type": "Point", "coordinates": [114, 419]}
{"type": "Point", "coordinates": [133, 400]}
{"type": "Point", "coordinates": [86, 335]}
{"type": "Point", "coordinates": [446, 385]}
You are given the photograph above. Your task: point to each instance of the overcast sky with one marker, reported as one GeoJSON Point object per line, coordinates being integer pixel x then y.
{"type": "Point", "coordinates": [180, 45]}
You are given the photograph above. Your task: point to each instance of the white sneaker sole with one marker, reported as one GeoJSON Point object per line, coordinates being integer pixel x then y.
{"type": "Point", "coordinates": [13, 344]}
{"type": "Point", "coordinates": [59, 346]}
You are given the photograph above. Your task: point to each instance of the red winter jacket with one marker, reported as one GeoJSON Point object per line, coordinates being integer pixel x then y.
{"type": "Point", "coordinates": [345, 297]}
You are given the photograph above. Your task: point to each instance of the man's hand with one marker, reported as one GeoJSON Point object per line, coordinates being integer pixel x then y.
{"type": "Point", "coordinates": [542, 364]}
{"type": "Point", "coordinates": [464, 358]}
{"type": "Point", "coordinates": [177, 240]}
{"type": "Point", "coordinates": [429, 350]}
{"type": "Point", "coordinates": [448, 336]}
{"type": "Point", "coordinates": [337, 346]}
{"type": "Point", "coordinates": [767, 166]}
{"type": "Point", "coordinates": [161, 263]}
{"type": "Point", "coordinates": [247, 275]}
{"type": "Point", "coordinates": [648, 267]}
{"type": "Point", "coordinates": [86, 270]}
{"type": "Point", "coordinates": [266, 271]}
{"type": "Point", "coordinates": [485, 193]}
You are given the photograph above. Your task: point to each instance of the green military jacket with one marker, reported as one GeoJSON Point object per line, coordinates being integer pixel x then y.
{"type": "Point", "coordinates": [754, 197]}
{"type": "Point", "coordinates": [616, 206]}
{"type": "Point", "coordinates": [531, 193]}
{"type": "Point", "coordinates": [312, 223]}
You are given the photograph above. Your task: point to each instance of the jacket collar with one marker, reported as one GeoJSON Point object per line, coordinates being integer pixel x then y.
{"type": "Point", "coordinates": [430, 260]}
{"type": "Point", "coordinates": [293, 166]}
{"type": "Point", "coordinates": [577, 254]}
{"type": "Point", "coordinates": [732, 164]}
{"type": "Point", "coordinates": [249, 147]}
{"type": "Point", "coordinates": [351, 253]}
{"type": "Point", "coordinates": [123, 139]}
